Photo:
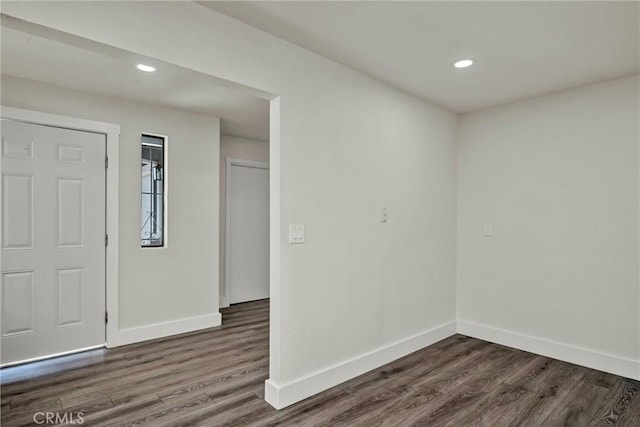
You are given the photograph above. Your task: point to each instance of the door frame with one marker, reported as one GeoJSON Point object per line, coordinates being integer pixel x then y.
{"type": "Point", "coordinates": [233, 161]}
{"type": "Point", "coordinates": [112, 134]}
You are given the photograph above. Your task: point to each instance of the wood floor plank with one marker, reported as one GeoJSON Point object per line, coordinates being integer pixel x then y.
{"type": "Point", "coordinates": [216, 377]}
{"type": "Point", "coordinates": [631, 416]}
{"type": "Point", "coordinates": [491, 407]}
{"type": "Point", "coordinates": [617, 401]}
{"type": "Point", "coordinates": [216, 413]}
{"type": "Point", "coordinates": [364, 405]}
{"type": "Point", "coordinates": [603, 379]}
{"type": "Point", "coordinates": [578, 407]}
{"type": "Point", "coordinates": [148, 385]}
{"type": "Point", "coordinates": [399, 368]}
{"type": "Point", "coordinates": [120, 415]}
{"type": "Point", "coordinates": [49, 403]}
{"type": "Point", "coordinates": [19, 419]}
{"type": "Point", "coordinates": [312, 410]}
{"type": "Point", "coordinates": [213, 385]}
{"type": "Point", "coordinates": [317, 410]}
{"type": "Point", "coordinates": [461, 398]}
{"type": "Point", "coordinates": [532, 374]}
{"type": "Point", "coordinates": [452, 375]}
{"type": "Point", "coordinates": [544, 397]}
{"type": "Point", "coordinates": [496, 373]}
{"type": "Point", "coordinates": [90, 407]}
{"type": "Point", "coordinates": [164, 370]}
{"type": "Point", "coordinates": [452, 342]}
{"type": "Point", "coordinates": [401, 408]}
{"type": "Point", "coordinates": [171, 412]}
{"type": "Point", "coordinates": [433, 365]}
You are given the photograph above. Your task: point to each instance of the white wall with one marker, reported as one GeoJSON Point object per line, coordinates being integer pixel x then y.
{"type": "Point", "coordinates": [156, 285]}
{"type": "Point", "coordinates": [239, 148]}
{"type": "Point", "coordinates": [557, 176]}
{"type": "Point", "coordinates": [357, 289]}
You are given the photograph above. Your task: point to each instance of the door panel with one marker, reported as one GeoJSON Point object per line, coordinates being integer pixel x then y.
{"type": "Point", "coordinates": [17, 211]}
{"type": "Point", "coordinates": [53, 252]}
{"type": "Point", "coordinates": [70, 154]}
{"type": "Point", "coordinates": [70, 212]}
{"type": "Point", "coordinates": [70, 290]}
{"type": "Point", "coordinates": [15, 147]}
{"type": "Point", "coordinates": [18, 302]}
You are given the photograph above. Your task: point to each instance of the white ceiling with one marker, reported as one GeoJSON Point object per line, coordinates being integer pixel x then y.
{"type": "Point", "coordinates": [522, 49]}
{"type": "Point", "coordinates": [86, 66]}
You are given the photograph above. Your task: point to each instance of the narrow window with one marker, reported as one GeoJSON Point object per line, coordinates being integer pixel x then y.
{"type": "Point", "coordinates": [152, 189]}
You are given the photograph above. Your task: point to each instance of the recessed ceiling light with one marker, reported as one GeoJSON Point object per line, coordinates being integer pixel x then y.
{"type": "Point", "coordinates": [463, 63]}
{"type": "Point", "coordinates": [146, 68]}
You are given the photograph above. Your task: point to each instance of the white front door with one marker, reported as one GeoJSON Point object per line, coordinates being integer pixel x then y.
{"type": "Point", "coordinates": [248, 231]}
{"type": "Point", "coordinates": [53, 241]}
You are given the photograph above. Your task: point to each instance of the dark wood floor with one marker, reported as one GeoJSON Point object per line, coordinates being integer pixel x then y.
{"type": "Point", "coordinates": [216, 378]}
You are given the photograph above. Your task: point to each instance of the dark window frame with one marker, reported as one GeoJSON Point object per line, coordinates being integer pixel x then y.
{"type": "Point", "coordinates": [155, 217]}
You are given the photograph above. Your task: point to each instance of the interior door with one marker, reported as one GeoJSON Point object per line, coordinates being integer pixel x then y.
{"type": "Point", "coordinates": [53, 241]}
{"type": "Point", "coordinates": [248, 231]}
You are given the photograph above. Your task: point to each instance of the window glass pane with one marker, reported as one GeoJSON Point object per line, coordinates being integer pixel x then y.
{"type": "Point", "coordinates": [153, 141]}
{"type": "Point", "coordinates": [152, 190]}
{"type": "Point", "coordinates": [145, 231]}
{"type": "Point", "coordinates": [146, 177]}
{"type": "Point", "coordinates": [146, 153]}
{"type": "Point", "coordinates": [156, 155]}
{"type": "Point", "coordinates": [156, 229]}
{"type": "Point", "coordinates": [159, 184]}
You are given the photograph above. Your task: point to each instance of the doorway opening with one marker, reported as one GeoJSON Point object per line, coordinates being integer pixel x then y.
{"type": "Point", "coordinates": [244, 211]}
{"type": "Point", "coordinates": [101, 83]}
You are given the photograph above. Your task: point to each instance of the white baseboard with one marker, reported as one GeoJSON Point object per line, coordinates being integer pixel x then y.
{"type": "Point", "coordinates": [283, 395]}
{"type": "Point", "coordinates": [580, 356]}
{"type": "Point", "coordinates": [165, 329]}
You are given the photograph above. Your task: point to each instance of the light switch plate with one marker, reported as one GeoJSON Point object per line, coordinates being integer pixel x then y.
{"type": "Point", "coordinates": [488, 230]}
{"type": "Point", "coordinates": [296, 233]}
